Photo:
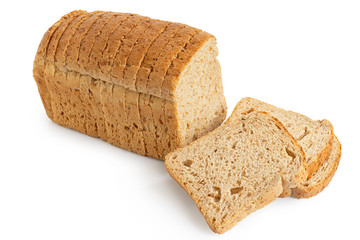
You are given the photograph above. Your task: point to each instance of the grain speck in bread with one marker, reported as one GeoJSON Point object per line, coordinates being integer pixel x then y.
{"type": "Point", "coordinates": [131, 80]}
{"type": "Point", "coordinates": [238, 168]}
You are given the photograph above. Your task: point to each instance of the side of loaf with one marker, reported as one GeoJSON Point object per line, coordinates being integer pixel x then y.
{"type": "Point", "coordinates": [131, 80]}
{"type": "Point", "coordinates": [238, 168]}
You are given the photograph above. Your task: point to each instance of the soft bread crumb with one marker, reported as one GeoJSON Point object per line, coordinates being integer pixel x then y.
{"type": "Point", "coordinates": [238, 168]}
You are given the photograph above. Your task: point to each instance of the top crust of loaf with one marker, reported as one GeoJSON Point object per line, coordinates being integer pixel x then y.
{"type": "Point", "coordinates": [175, 61]}
{"type": "Point", "coordinates": [40, 60]}
{"type": "Point", "coordinates": [238, 168]}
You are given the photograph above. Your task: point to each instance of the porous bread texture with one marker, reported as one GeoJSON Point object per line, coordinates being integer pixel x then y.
{"type": "Point", "coordinates": [131, 80]}
{"type": "Point", "coordinates": [192, 91]}
{"type": "Point", "coordinates": [315, 137]}
{"type": "Point", "coordinates": [238, 168]}
{"type": "Point", "coordinates": [320, 179]}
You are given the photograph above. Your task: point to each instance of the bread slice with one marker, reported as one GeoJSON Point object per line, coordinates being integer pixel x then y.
{"type": "Point", "coordinates": [238, 168]}
{"type": "Point", "coordinates": [322, 177]}
{"type": "Point", "coordinates": [315, 137]}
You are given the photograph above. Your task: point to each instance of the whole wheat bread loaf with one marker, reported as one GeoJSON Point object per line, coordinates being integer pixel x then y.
{"type": "Point", "coordinates": [320, 179]}
{"type": "Point", "coordinates": [131, 80]}
{"type": "Point", "coordinates": [238, 168]}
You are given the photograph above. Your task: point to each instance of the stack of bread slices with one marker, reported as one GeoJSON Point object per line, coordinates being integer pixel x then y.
{"type": "Point", "coordinates": [260, 153]}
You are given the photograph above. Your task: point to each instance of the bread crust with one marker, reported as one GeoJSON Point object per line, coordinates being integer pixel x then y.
{"type": "Point", "coordinates": [128, 42]}
{"type": "Point", "coordinates": [50, 71]}
{"type": "Point", "coordinates": [313, 163]}
{"type": "Point", "coordinates": [120, 136]}
{"type": "Point", "coordinates": [100, 42]}
{"type": "Point", "coordinates": [64, 41]}
{"type": "Point", "coordinates": [39, 67]}
{"type": "Point", "coordinates": [180, 62]}
{"type": "Point", "coordinates": [133, 61]}
{"type": "Point", "coordinates": [112, 64]}
{"type": "Point", "coordinates": [140, 49]}
{"type": "Point", "coordinates": [152, 54]}
{"type": "Point", "coordinates": [72, 53]}
{"type": "Point", "coordinates": [112, 45]}
{"type": "Point", "coordinates": [79, 57]}
{"type": "Point", "coordinates": [169, 53]}
{"type": "Point", "coordinates": [307, 191]}
{"type": "Point", "coordinates": [87, 44]}
{"type": "Point", "coordinates": [322, 156]}
{"type": "Point", "coordinates": [146, 119]}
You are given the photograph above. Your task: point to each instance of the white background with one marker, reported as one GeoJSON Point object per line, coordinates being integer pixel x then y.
{"type": "Point", "coordinates": [56, 183]}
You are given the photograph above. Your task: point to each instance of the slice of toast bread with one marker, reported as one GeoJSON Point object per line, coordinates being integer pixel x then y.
{"type": "Point", "coordinates": [320, 179]}
{"type": "Point", "coordinates": [315, 137]}
{"type": "Point", "coordinates": [238, 168]}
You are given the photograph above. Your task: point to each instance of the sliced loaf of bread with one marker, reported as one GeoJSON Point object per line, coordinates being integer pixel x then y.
{"type": "Point", "coordinates": [322, 177]}
{"type": "Point", "coordinates": [131, 80]}
{"type": "Point", "coordinates": [315, 137]}
{"type": "Point", "coordinates": [238, 168]}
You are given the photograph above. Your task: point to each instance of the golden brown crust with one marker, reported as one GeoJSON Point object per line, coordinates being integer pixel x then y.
{"type": "Point", "coordinates": [88, 42]}
{"type": "Point", "coordinates": [151, 56]}
{"type": "Point", "coordinates": [168, 54]}
{"type": "Point", "coordinates": [139, 50]}
{"type": "Point", "coordinates": [101, 41]}
{"type": "Point", "coordinates": [90, 94]}
{"type": "Point", "coordinates": [156, 105]}
{"type": "Point", "coordinates": [134, 61]}
{"type": "Point", "coordinates": [180, 62]}
{"type": "Point", "coordinates": [131, 97]}
{"type": "Point", "coordinates": [135, 136]}
{"type": "Point", "coordinates": [58, 82]}
{"type": "Point", "coordinates": [307, 191]}
{"type": "Point", "coordinates": [322, 156]}
{"type": "Point", "coordinates": [143, 79]}
{"type": "Point", "coordinates": [112, 44]}
{"type": "Point", "coordinates": [146, 119]}
{"type": "Point", "coordinates": [64, 41]}
{"type": "Point", "coordinates": [39, 66]}
{"type": "Point", "coordinates": [118, 120]}
{"type": "Point", "coordinates": [87, 51]}
{"type": "Point", "coordinates": [140, 53]}
{"type": "Point", "coordinates": [171, 114]}
{"type": "Point", "coordinates": [72, 52]}
{"type": "Point", "coordinates": [127, 42]}
{"type": "Point", "coordinates": [128, 114]}
{"type": "Point", "coordinates": [50, 71]}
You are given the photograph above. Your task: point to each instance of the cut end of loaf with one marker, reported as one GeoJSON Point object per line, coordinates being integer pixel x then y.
{"type": "Point", "coordinates": [199, 95]}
